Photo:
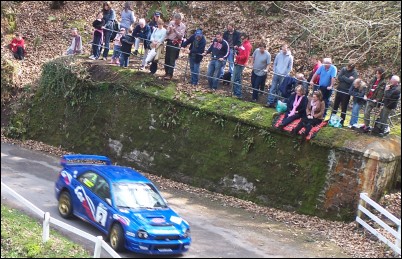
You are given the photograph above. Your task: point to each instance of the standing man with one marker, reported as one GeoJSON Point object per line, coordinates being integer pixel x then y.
{"type": "Point", "coordinates": [346, 77]}
{"type": "Point", "coordinates": [283, 64]}
{"type": "Point", "coordinates": [197, 43]}
{"type": "Point", "coordinates": [392, 95]}
{"type": "Point", "coordinates": [220, 50]}
{"type": "Point", "coordinates": [327, 73]}
{"type": "Point", "coordinates": [261, 59]}
{"type": "Point", "coordinates": [243, 53]}
{"type": "Point", "coordinates": [316, 63]}
{"type": "Point", "coordinates": [175, 33]}
{"type": "Point", "coordinates": [233, 38]}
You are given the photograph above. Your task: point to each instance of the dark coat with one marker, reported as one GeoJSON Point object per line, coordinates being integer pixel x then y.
{"type": "Point", "coordinates": [301, 109]}
{"type": "Point", "coordinates": [196, 52]}
{"type": "Point", "coordinates": [344, 81]}
{"type": "Point", "coordinates": [391, 97]}
{"type": "Point", "coordinates": [357, 95]}
{"type": "Point", "coordinates": [143, 34]}
{"type": "Point", "coordinates": [236, 37]}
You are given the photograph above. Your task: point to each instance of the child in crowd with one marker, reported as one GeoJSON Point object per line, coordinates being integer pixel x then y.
{"type": "Point", "coordinates": [76, 43]}
{"type": "Point", "coordinates": [117, 46]}
{"type": "Point", "coordinates": [17, 46]}
{"type": "Point", "coordinates": [127, 42]}
{"type": "Point", "coordinates": [357, 90]}
{"type": "Point", "coordinates": [97, 39]}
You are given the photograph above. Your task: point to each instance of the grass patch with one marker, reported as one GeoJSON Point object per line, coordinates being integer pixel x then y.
{"type": "Point", "coordinates": [21, 236]}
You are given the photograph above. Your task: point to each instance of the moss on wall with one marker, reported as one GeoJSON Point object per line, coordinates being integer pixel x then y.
{"type": "Point", "coordinates": [210, 141]}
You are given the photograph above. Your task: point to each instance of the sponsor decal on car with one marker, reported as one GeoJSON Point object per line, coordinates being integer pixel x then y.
{"type": "Point", "coordinates": [66, 177]}
{"type": "Point", "coordinates": [121, 219]}
{"type": "Point", "coordinates": [86, 202]}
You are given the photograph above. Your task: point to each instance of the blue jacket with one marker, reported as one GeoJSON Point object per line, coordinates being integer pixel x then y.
{"type": "Point", "coordinates": [219, 49]}
{"type": "Point", "coordinates": [109, 16]}
{"type": "Point", "coordinates": [357, 95]}
{"type": "Point", "coordinates": [143, 34]}
{"type": "Point", "coordinates": [196, 52]}
{"type": "Point", "coordinates": [236, 37]}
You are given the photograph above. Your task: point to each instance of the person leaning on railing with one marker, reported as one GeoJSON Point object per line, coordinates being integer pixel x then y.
{"type": "Point", "coordinates": [373, 96]}
{"type": "Point", "coordinates": [197, 44]}
{"type": "Point", "coordinates": [392, 95]}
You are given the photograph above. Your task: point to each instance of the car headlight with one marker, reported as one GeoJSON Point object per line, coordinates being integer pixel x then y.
{"type": "Point", "coordinates": [142, 234]}
{"type": "Point", "coordinates": [187, 233]}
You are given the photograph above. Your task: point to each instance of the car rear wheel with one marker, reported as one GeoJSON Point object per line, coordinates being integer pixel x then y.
{"type": "Point", "coordinates": [117, 238]}
{"type": "Point", "coordinates": [65, 205]}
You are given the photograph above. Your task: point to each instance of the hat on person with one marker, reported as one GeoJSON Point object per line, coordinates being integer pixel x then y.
{"type": "Point", "coordinates": [198, 32]}
{"type": "Point", "coordinates": [157, 14]}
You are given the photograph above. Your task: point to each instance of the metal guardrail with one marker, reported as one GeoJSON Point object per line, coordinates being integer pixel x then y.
{"type": "Point", "coordinates": [396, 247]}
{"type": "Point", "coordinates": [98, 240]}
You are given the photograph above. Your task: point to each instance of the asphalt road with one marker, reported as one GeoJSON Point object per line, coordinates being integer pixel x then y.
{"type": "Point", "coordinates": [217, 231]}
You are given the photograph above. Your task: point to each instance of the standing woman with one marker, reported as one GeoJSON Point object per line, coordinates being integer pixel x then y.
{"type": "Point", "coordinates": [127, 16]}
{"type": "Point", "coordinates": [108, 16]}
{"type": "Point", "coordinates": [158, 37]}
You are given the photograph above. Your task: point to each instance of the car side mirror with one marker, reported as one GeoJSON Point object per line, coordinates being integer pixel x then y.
{"type": "Point", "coordinates": [109, 201]}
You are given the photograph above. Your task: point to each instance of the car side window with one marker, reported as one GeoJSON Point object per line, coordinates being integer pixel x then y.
{"type": "Point", "coordinates": [102, 188]}
{"type": "Point", "coordinates": [88, 179]}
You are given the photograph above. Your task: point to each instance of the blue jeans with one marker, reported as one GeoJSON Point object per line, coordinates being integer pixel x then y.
{"type": "Point", "coordinates": [214, 68]}
{"type": "Point", "coordinates": [116, 52]}
{"type": "Point", "coordinates": [106, 34]}
{"type": "Point", "coordinates": [355, 114]}
{"type": "Point", "coordinates": [326, 94]}
{"type": "Point", "coordinates": [274, 90]}
{"type": "Point", "coordinates": [195, 70]}
{"type": "Point", "coordinates": [256, 81]}
{"type": "Point", "coordinates": [124, 60]}
{"type": "Point", "coordinates": [237, 78]}
{"type": "Point", "coordinates": [230, 58]}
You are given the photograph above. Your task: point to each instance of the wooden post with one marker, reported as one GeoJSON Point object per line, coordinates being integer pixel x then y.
{"type": "Point", "coordinates": [360, 214]}
{"type": "Point", "coordinates": [98, 247]}
{"type": "Point", "coordinates": [45, 234]}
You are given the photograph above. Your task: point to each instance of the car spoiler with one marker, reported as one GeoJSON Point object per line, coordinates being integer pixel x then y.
{"type": "Point", "coordinates": [68, 158]}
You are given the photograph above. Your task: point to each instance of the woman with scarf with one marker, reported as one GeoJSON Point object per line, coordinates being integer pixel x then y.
{"type": "Point", "coordinates": [296, 104]}
{"type": "Point", "coordinates": [315, 114]}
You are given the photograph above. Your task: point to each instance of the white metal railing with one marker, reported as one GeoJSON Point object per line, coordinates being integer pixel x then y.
{"type": "Point", "coordinates": [397, 234]}
{"type": "Point", "coordinates": [98, 240]}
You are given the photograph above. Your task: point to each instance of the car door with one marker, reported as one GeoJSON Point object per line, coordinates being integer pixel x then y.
{"type": "Point", "coordinates": [84, 193]}
{"type": "Point", "coordinates": [103, 211]}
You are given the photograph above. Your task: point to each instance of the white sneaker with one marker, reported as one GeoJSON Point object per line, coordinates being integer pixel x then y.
{"type": "Point", "coordinates": [91, 57]}
{"type": "Point", "coordinates": [350, 126]}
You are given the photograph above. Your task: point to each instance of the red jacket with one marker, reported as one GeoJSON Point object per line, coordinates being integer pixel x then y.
{"type": "Point", "coordinates": [18, 43]}
{"type": "Point", "coordinates": [244, 53]}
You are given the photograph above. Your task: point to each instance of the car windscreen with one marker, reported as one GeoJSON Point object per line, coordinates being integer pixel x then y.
{"type": "Point", "coordinates": [137, 196]}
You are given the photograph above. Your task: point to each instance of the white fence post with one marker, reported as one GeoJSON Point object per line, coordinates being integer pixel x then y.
{"type": "Point", "coordinates": [46, 223]}
{"type": "Point", "coordinates": [98, 247]}
{"type": "Point", "coordinates": [398, 239]}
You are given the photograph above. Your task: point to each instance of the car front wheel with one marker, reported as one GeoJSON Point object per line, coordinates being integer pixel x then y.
{"type": "Point", "coordinates": [117, 238]}
{"type": "Point", "coordinates": [65, 205]}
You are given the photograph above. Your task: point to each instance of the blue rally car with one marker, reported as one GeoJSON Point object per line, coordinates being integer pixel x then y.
{"type": "Point", "coordinates": [121, 203]}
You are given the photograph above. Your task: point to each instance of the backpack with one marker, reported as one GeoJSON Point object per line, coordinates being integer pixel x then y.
{"type": "Point", "coordinates": [116, 28]}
